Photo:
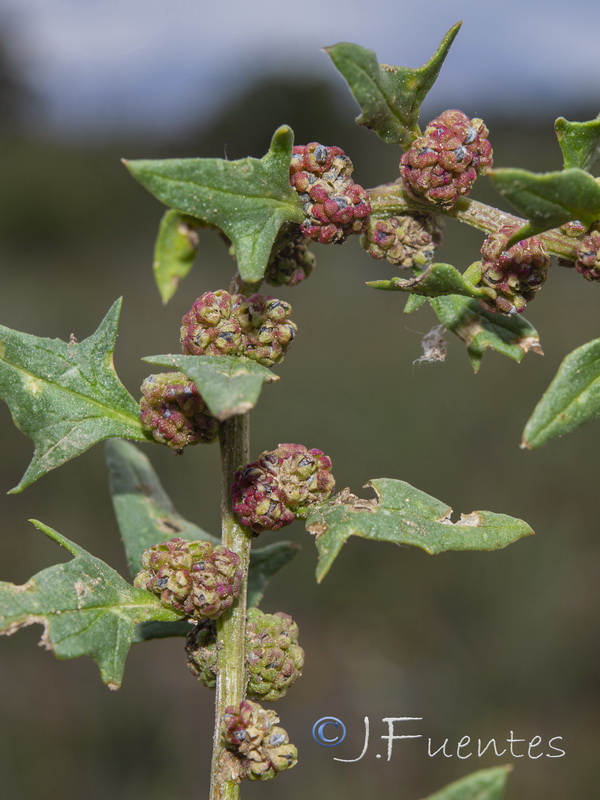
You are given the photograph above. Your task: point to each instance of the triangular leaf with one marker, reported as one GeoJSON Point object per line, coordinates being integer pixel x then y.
{"type": "Point", "coordinates": [248, 199]}
{"type": "Point", "coordinates": [146, 516]}
{"type": "Point", "coordinates": [85, 607]}
{"type": "Point", "coordinates": [229, 385]}
{"type": "Point", "coordinates": [435, 281]}
{"type": "Point", "coordinates": [549, 199]}
{"type": "Point", "coordinates": [414, 303]}
{"type": "Point", "coordinates": [174, 252]}
{"type": "Point", "coordinates": [65, 396]}
{"type": "Point", "coordinates": [486, 784]}
{"type": "Point", "coordinates": [390, 97]}
{"type": "Point", "coordinates": [405, 515]}
{"type": "Point", "coordinates": [480, 330]}
{"type": "Point", "coordinates": [144, 511]}
{"type": "Point", "coordinates": [579, 142]}
{"type": "Point", "coordinates": [572, 398]}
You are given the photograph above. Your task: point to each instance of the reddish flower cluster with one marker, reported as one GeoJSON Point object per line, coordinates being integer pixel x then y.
{"type": "Point", "coordinates": [278, 487]}
{"type": "Point", "coordinates": [334, 205]}
{"type": "Point", "coordinates": [442, 165]}
{"type": "Point", "coordinates": [173, 411]}
{"type": "Point", "coordinates": [515, 274]}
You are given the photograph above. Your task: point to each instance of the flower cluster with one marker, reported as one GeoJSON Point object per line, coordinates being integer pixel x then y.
{"type": "Point", "coordinates": [515, 274]}
{"type": "Point", "coordinates": [334, 206]}
{"type": "Point", "coordinates": [197, 579]}
{"type": "Point", "coordinates": [172, 410]}
{"type": "Point", "coordinates": [291, 261]}
{"type": "Point", "coordinates": [220, 323]}
{"type": "Point", "coordinates": [279, 487]}
{"type": "Point", "coordinates": [274, 659]}
{"type": "Point", "coordinates": [252, 734]}
{"type": "Point", "coordinates": [442, 165]}
{"type": "Point", "coordinates": [407, 240]}
{"type": "Point", "coordinates": [588, 255]}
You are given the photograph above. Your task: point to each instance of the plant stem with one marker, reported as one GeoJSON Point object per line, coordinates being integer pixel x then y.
{"type": "Point", "coordinates": [391, 199]}
{"type": "Point", "coordinates": [231, 626]}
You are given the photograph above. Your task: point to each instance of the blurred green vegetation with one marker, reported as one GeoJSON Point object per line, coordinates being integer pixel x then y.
{"type": "Point", "coordinates": [476, 644]}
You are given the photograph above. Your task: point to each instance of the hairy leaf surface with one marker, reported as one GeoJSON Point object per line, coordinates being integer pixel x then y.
{"type": "Point", "coordinates": [404, 515]}
{"type": "Point", "coordinates": [579, 142]}
{"type": "Point", "coordinates": [175, 251]}
{"type": "Point", "coordinates": [230, 385]}
{"type": "Point", "coordinates": [65, 396]}
{"type": "Point", "coordinates": [86, 608]}
{"type": "Point", "coordinates": [248, 199]}
{"type": "Point", "coordinates": [572, 398]}
{"type": "Point", "coordinates": [486, 784]}
{"type": "Point", "coordinates": [481, 330]}
{"type": "Point", "coordinates": [389, 97]}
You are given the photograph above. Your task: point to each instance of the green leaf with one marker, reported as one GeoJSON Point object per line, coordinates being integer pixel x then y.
{"type": "Point", "coordinates": [146, 516]}
{"type": "Point", "coordinates": [174, 253]}
{"type": "Point", "coordinates": [65, 396]}
{"type": "Point", "coordinates": [390, 98]}
{"type": "Point", "coordinates": [436, 280]}
{"type": "Point", "coordinates": [144, 512]}
{"type": "Point", "coordinates": [230, 385]}
{"type": "Point", "coordinates": [549, 199]}
{"type": "Point", "coordinates": [579, 142]}
{"type": "Point", "coordinates": [248, 199]}
{"type": "Point", "coordinates": [486, 784]}
{"type": "Point", "coordinates": [264, 563]}
{"type": "Point", "coordinates": [404, 515]}
{"type": "Point", "coordinates": [572, 398]}
{"type": "Point", "coordinates": [86, 608]}
{"type": "Point", "coordinates": [481, 330]}
{"type": "Point", "coordinates": [414, 303]}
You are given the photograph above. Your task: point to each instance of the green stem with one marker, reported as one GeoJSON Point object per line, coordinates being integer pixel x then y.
{"type": "Point", "coordinates": [391, 199]}
{"type": "Point", "coordinates": [231, 626]}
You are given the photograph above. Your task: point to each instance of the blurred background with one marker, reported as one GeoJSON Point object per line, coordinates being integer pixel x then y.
{"type": "Point", "coordinates": [475, 644]}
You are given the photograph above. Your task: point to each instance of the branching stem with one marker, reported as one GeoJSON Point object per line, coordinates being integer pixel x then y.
{"type": "Point", "coordinates": [391, 199]}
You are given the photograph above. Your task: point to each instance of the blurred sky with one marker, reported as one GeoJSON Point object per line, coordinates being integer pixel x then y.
{"type": "Point", "coordinates": [101, 65]}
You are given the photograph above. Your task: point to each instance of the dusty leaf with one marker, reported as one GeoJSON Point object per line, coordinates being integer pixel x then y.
{"type": "Point", "coordinates": [86, 608]}
{"type": "Point", "coordinates": [579, 142]}
{"type": "Point", "coordinates": [480, 330]}
{"type": "Point", "coordinates": [174, 252]}
{"type": "Point", "coordinates": [572, 398]}
{"type": "Point", "coordinates": [230, 385]}
{"type": "Point", "coordinates": [65, 396]}
{"type": "Point", "coordinates": [404, 515]}
{"type": "Point", "coordinates": [435, 281]}
{"type": "Point", "coordinates": [389, 97]}
{"type": "Point", "coordinates": [549, 199]}
{"type": "Point", "coordinates": [486, 784]}
{"type": "Point", "coordinates": [248, 199]}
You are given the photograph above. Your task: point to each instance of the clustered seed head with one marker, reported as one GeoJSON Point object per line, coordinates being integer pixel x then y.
{"type": "Point", "coordinates": [334, 206]}
{"type": "Point", "coordinates": [280, 486]}
{"type": "Point", "coordinates": [220, 323]}
{"type": "Point", "coordinates": [442, 165]}
{"type": "Point", "coordinates": [197, 579]}
{"type": "Point", "coordinates": [291, 261]}
{"type": "Point", "coordinates": [515, 274]}
{"type": "Point", "coordinates": [252, 734]}
{"type": "Point", "coordinates": [274, 659]}
{"type": "Point", "coordinates": [408, 240]}
{"type": "Point", "coordinates": [173, 411]}
{"type": "Point", "coordinates": [588, 256]}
